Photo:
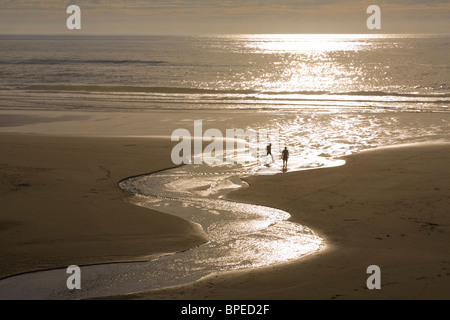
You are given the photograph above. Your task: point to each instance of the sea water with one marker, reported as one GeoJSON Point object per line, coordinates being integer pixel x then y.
{"type": "Point", "coordinates": [261, 72]}
{"type": "Point", "coordinates": [328, 96]}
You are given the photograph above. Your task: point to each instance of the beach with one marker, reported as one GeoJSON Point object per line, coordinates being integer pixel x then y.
{"type": "Point", "coordinates": [144, 161]}
{"type": "Point", "coordinates": [386, 207]}
{"type": "Point", "coordinates": [61, 203]}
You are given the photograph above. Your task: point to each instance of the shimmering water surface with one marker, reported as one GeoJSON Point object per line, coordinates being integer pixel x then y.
{"type": "Point", "coordinates": [257, 72]}
{"type": "Point", "coordinates": [328, 96]}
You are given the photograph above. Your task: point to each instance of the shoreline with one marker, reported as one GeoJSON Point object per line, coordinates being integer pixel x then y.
{"type": "Point", "coordinates": [408, 248]}
{"type": "Point", "coordinates": [235, 283]}
{"type": "Point", "coordinates": [20, 282]}
{"type": "Point", "coordinates": [61, 203]}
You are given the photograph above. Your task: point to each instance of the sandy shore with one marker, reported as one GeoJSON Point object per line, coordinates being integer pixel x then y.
{"type": "Point", "coordinates": [388, 207]}
{"type": "Point", "coordinates": [61, 204]}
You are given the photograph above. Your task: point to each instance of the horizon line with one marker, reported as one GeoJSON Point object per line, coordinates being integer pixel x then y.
{"type": "Point", "coordinates": [211, 34]}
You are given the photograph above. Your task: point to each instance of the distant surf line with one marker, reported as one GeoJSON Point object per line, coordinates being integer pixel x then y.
{"type": "Point", "coordinates": [188, 90]}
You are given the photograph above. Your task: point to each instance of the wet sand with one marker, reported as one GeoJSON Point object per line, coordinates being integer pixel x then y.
{"type": "Point", "coordinates": [388, 207]}
{"type": "Point", "coordinates": [61, 204]}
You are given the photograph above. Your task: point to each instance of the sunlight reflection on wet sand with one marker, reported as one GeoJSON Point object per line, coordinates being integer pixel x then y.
{"type": "Point", "coordinates": [241, 235]}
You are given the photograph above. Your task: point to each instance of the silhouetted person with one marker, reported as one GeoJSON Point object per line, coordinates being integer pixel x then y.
{"type": "Point", "coordinates": [285, 157]}
{"type": "Point", "coordinates": [269, 150]}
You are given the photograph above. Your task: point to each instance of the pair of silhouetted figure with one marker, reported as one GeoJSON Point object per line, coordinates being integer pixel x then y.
{"type": "Point", "coordinates": [284, 155]}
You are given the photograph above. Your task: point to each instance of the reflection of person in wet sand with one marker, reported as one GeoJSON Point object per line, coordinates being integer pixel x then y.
{"type": "Point", "coordinates": [285, 157]}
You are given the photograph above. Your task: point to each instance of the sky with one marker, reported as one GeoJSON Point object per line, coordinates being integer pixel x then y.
{"type": "Point", "coordinates": [223, 16]}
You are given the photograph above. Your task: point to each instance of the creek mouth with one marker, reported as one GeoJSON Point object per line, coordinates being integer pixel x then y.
{"type": "Point", "coordinates": [241, 236]}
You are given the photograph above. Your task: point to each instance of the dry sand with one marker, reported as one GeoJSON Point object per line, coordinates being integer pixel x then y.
{"type": "Point", "coordinates": [61, 205]}
{"type": "Point", "coordinates": [387, 207]}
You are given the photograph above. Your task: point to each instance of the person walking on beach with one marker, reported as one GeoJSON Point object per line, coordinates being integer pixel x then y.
{"type": "Point", "coordinates": [269, 151]}
{"type": "Point", "coordinates": [285, 157]}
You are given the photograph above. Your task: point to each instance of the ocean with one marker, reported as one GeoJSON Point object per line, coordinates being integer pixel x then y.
{"type": "Point", "coordinates": [328, 96]}
{"type": "Point", "coordinates": [362, 73]}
